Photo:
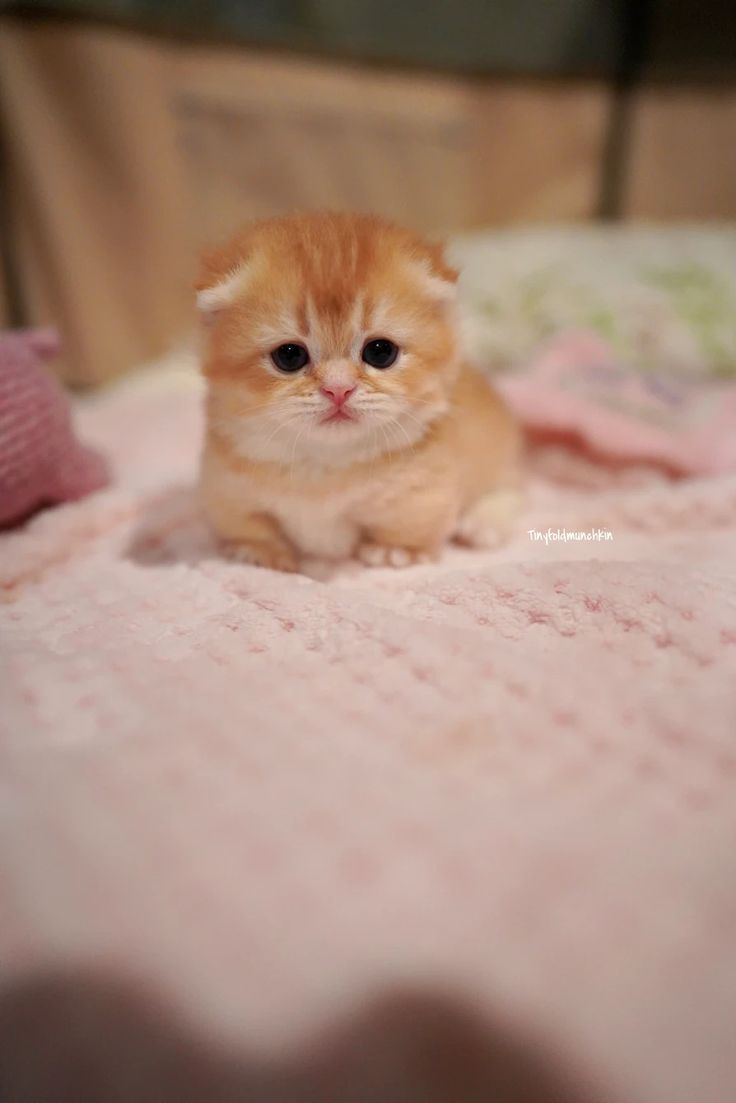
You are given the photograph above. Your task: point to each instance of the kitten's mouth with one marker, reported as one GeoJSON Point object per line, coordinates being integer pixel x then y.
{"type": "Point", "coordinates": [339, 414]}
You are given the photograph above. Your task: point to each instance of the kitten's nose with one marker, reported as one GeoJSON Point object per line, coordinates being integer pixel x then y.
{"type": "Point", "coordinates": [338, 393]}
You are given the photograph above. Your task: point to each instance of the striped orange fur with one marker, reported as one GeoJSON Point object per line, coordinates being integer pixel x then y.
{"type": "Point", "coordinates": [344, 457]}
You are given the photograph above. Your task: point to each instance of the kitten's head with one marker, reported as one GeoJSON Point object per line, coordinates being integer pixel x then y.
{"type": "Point", "coordinates": [330, 337]}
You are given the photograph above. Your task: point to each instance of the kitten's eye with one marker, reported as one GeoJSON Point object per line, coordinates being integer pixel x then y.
{"type": "Point", "coordinates": [290, 358]}
{"type": "Point", "coordinates": [381, 353]}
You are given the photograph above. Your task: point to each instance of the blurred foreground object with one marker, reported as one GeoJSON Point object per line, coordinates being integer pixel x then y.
{"type": "Point", "coordinates": [41, 461]}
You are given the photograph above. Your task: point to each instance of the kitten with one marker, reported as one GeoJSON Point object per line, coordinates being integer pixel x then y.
{"type": "Point", "coordinates": [341, 419]}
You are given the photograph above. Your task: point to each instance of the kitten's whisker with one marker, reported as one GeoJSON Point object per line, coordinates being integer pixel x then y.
{"type": "Point", "coordinates": [282, 425]}
{"type": "Point", "coordinates": [293, 452]}
{"type": "Point", "coordinates": [423, 425]}
{"type": "Point", "coordinates": [409, 442]}
{"type": "Point", "coordinates": [386, 437]}
{"type": "Point", "coordinates": [300, 404]}
{"type": "Point", "coordinates": [259, 406]}
{"type": "Point", "coordinates": [374, 454]}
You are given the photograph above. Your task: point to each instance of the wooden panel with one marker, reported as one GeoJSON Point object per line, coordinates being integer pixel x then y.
{"type": "Point", "coordinates": [264, 135]}
{"type": "Point", "coordinates": [442, 154]}
{"type": "Point", "coordinates": [683, 154]}
{"type": "Point", "coordinates": [125, 152]}
{"type": "Point", "coordinates": [4, 301]}
{"type": "Point", "coordinates": [98, 202]}
{"type": "Point", "coordinates": [537, 150]}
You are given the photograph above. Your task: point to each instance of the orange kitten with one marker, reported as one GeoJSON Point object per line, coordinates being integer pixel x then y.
{"type": "Point", "coordinates": [341, 419]}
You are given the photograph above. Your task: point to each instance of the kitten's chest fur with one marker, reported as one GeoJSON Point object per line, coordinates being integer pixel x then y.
{"type": "Point", "coordinates": [322, 511]}
{"type": "Point", "coordinates": [321, 526]}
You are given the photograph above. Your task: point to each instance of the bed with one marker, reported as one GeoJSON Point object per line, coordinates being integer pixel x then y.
{"type": "Point", "coordinates": [460, 832]}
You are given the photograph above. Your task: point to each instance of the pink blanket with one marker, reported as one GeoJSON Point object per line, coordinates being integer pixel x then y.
{"type": "Point", "coordinates": [434, 834]}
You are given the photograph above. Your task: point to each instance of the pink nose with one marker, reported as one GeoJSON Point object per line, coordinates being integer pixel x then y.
{"type": "Point", "coordinates": [338, 393]}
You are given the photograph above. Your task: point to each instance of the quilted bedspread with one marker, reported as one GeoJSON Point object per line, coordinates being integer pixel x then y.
{"type": "Point", "coordinates": [457, 832]}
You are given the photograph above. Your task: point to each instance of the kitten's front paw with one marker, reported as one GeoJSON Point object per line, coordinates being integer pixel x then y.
{"type": "Point", "coordinates": [490, 521]}
{"type": "Point", "coordinates": [384, 555]}
{"type": "Point", "coordinates": [262, 553]}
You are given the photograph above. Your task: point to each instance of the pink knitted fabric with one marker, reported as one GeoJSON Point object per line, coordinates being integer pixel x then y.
{"type": "Point", "coordinates": [577, 387]}
{"type": "Point", "coordinates": [41, 461]}
{"type": "Point", "coordinates": [506, 782]}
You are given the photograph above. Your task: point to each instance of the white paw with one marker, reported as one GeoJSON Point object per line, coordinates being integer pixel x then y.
{"type": "Point", "coordinates": [490, 522]}
{"type": "Point", "coordinates": [275, 556]}
{"type": "Point", "coordinates": [382, 555]}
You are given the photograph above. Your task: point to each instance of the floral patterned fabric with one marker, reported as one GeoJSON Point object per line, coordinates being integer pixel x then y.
{"type": "Point", "coordinates": [664, 299]}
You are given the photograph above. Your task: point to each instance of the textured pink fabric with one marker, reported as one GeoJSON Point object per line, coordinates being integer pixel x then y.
{"type": "Point", "coordinates": [576, 386]}
{"type": "Point", "coordinates": [510, 776]}
{"type": "Point", "coordinates": [41, 462]}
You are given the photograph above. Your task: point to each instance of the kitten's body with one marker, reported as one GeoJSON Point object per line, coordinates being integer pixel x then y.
{"type": "Point", "coordinates": [418, 452]}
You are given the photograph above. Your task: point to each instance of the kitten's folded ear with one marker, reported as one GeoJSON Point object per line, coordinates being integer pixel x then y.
{"type": "Point", "coordinates": [438, 277]}
{"type": "Point", "coordinates": [439, 265]}
{"type": "Point", "coordinates": [223, 273]}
